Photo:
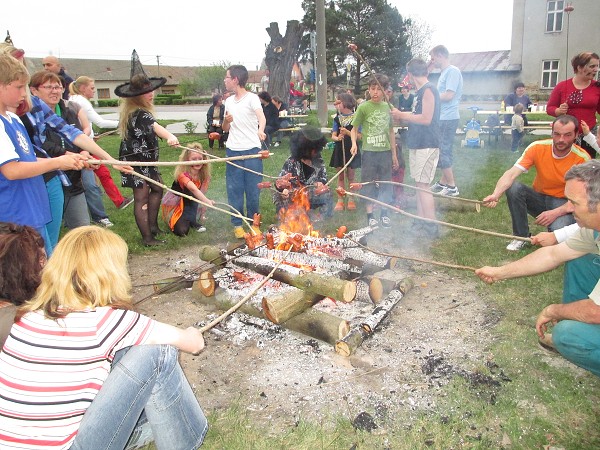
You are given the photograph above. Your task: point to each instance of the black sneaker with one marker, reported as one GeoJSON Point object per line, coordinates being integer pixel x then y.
{"type": "Point", "coordinates": [373, 222]}
{"type": "Point", "coordinates": [385, 222]}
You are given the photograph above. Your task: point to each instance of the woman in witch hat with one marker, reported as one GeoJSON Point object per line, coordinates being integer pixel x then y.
{"type": "Point", "coordinates": [139, 133]}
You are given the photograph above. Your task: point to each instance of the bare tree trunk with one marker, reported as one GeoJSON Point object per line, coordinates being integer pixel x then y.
{"type": "Point", "coordinates": [280, 56]}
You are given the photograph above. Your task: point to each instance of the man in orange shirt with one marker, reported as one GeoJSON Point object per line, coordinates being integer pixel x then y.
{"type": "Point", "coordinates": [545, 200]}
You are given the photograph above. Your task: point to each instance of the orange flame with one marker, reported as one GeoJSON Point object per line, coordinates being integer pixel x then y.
{"type": "Point", "coordinates": [295, 219]}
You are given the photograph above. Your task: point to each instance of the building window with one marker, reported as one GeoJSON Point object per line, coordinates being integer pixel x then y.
{"type": "Point", "coordinates": [554, 16]}
{"type": "Point", "coordinates": [549, 73]}
{"type": "Point", "coordinates": [103, 93]}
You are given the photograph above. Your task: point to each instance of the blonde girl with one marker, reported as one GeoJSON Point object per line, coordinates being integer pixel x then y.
{"type": "Point", "coordinates": [181, 213]}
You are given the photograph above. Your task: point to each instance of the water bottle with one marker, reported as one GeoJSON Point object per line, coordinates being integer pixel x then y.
{"type": "Point", "coordinates": [502, 105]}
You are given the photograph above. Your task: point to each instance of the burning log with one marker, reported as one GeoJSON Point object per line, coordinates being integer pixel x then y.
{"type": "Point", "coordinates": [215, 255]}
{"type": "Point", "coordinates": [316, 283]}
{"type": "Point", "coordinates": [380, 287]}
{"type": "Point", "coordinates": [305, 259]}
{"type": "Point", "coordinates": [284, 305]}
{"type": "Point", "coordinates": [313, 323]}
{"type": "Point", "coordinates": [172, 284]}
{"type": "Point", "coordinates": [206, 283]}
{"type": "Point", "coordinates": [362, 292]}
{"type": "Point", "coordinates": [361, 256]}
{"type": "Point", "coordinates": [354, 339]}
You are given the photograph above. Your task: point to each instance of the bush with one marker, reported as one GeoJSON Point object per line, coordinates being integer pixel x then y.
{"type": "Point", "coordinates": [190, 127]}
{"type": "Point", "coordinates": [109, 102]}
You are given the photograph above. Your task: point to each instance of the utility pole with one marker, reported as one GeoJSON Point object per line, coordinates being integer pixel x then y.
{"type": "Point", "coordinates": [158, 65]}
{"type": "Point", "coordinates": [321, 69]}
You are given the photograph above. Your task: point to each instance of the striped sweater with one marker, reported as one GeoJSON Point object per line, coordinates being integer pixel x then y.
{"type": "Point", "coordinates": [51, 370]}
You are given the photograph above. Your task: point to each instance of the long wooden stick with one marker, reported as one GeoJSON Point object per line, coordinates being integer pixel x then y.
{"type": "Point", "coordinates": [205, 153]}
{"type": "Point", "coordinates": [439, 222]}
{"type": "Point", "coordinates": [354, 48]}
{"type": "Point", "coordinates": [435, 194]}
{"type": "Point", "coordinates": [106, 133]}
{"type": "Point", "coordinates": [261, 155]}
{"type": "Point", "coordinates": [194, 199]}
{"type": "Point", "coordinates": [412, 258]}
{"type": "Point", "coordinates": [237, 306]}
{"type": "Point", "coordinates": [341, 170]}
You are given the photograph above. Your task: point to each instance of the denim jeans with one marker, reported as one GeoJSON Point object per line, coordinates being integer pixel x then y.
{"type": "Point", "coordinates": [516, 140]}
{"type": "Point", "coordinates": [57, 203]}
{"type": "Point", "coordinates": [523, 200]}
{"type": "Point", "coordinates": [93, 195]}
{"type": "Point", "coordinates": [447, 134]}
{"type": "Point", "coordinates": [243, 184]}
{"type": "Point", "coordinates": [145, 379]}
{"type": "Point", "coordinates": [75, 212]}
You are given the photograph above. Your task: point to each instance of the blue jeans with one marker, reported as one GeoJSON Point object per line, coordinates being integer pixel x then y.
{"type": "Point", "coordinates": [75, 212]}
{"type": "Point", "coordinates": [447, 134]}
{"type": "Point", "coordinates": [57, 203]}
{"type": "Point", "coordinates": [523, 200]}
{"type": "Point", "coordinates": [516, 140]}
{"type": "Point", "coordinates": [93, 195]}
{"type": "Point", "coordinates": [577, 341]}
{"type": "Point", "coordinates": [147, 383]}
{"type": "Point", "coordinates": [243, 184]}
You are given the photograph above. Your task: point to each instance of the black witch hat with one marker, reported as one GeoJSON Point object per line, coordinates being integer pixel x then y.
{"type": "Point", "coordinates": [139, 83]}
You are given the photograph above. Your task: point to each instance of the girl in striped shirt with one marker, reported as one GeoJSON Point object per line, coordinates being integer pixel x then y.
{"type": "Point", "coordinates": [81, 369]}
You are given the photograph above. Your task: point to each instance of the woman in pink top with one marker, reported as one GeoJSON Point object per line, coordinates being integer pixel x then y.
{"type": "Point", "coordinates": [579, 96]}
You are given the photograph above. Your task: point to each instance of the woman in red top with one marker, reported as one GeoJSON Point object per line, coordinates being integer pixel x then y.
{"type": "Point", "coordinates": [579, 96]}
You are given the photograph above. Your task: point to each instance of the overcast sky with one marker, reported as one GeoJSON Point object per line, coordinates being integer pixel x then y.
{"type": "Point", "coordinates": [201, 32]}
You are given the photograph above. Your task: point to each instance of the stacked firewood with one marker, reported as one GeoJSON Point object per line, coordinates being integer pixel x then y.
{"type": "Point", "coordinates": [339, 268]}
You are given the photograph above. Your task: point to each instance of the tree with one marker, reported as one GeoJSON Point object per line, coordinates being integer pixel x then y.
{"type": "Point", "coordinates": [280, 56]}
{"type": "Point", "coordinates": [207, 80]}
{"type": "Point", "coordinates": [418, 33]}
{"type": "Point", "coordinates": [376, 27]}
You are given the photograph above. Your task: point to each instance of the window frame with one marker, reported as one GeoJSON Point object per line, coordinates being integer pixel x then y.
{"type": "Point", "coordinates": [555, 15]}
{"type": "Point", "coordinates": [550, 73]}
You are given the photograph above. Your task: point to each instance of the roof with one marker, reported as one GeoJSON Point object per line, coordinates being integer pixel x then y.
{"type": "Point", "coordinates": [115, 69]}
{"type": "Point", "coordinates": [483, 61]}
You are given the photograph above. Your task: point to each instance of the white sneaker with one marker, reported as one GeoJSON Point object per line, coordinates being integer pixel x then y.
{"type": "Point", "coordinates": [200, 229]}
{"type": "Point", "coordinates": [515, 245]}
{"type": "Point", "coordinates": [450, 191]}
{"type": "Point", "coordinates": [276, 144]}
{"type": "Point", "coordinates": [437, 187]}
{"type": "Point", "coordinates": [373, 223]}
{"type": "Point", "coordinates": [106, 223]}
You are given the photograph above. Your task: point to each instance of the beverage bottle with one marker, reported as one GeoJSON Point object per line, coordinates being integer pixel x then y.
{"type": "Point", "coordinates": [502, 105]}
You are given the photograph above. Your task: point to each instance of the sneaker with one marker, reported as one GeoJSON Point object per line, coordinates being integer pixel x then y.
{"type": "Point", "coordinates": [450, 191]}
{"type": "Point", "coordinates": [276, 144]}
{"type": "Point", "coordinates": [437, 187]}
{"type": "Point", "coordinates": [373, 223]}
{"type": "Point", "coordinates": [385, 222]}
{"type": "Point", "coordinates": [515, 245]}
{"type": "Point", "coordinates": [339, 206]}
{"type": "Point", "coordinates": [351, 205]}
{"type": "Point", "coordinates": [106, 223]}
{"type": "Point", "coordinates": [200, 228]}
{"type": "Point", "coordinates": [126, 202]}
{"type": "Point", "coordinates": [239, 232]}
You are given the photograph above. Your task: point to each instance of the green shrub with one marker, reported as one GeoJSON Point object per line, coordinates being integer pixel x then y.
{"type": "Point", "coordinates": [108, 102]}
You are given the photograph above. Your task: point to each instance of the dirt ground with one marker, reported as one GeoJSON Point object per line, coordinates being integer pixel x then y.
{"type": "Point", "coordinates": [439, 329]}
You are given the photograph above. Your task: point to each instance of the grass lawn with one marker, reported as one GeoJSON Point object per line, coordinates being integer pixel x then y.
{"type": "Point", "coordinates": [542, 405]}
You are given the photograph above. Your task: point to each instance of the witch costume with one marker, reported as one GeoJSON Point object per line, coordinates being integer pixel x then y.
{"type": "Point", "coordinates": [140, 142]}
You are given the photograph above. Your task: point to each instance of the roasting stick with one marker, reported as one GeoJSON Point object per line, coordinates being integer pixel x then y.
{"type": "Point", "coordinates": [203, 152]}
{"type": "Point", "coordinates": [106, 133]}
{"type": "Point", "coordinates": [439, 222]}
{"type": "Point", "coordinates": [412, 258]}
{"type": "Point", "coordinates": [435, 194]}
{"type": "Point", "coordinates": [262, 155]}
{"type": "Point", "coordinates": [341, 170]}
{"type": "Point", "coordinates": [235, 307]}
{"type": "Point", "coordinates": [194, 199]}
{"type": "Point", "coordinates": [354, 49]}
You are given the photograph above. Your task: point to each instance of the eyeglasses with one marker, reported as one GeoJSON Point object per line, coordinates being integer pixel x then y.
{"type": "Point", "coordinates": [51, 88]}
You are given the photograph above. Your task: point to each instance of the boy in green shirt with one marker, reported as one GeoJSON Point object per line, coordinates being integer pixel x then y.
{"type": "Point", "coordinates": [378, 139]}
